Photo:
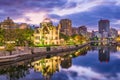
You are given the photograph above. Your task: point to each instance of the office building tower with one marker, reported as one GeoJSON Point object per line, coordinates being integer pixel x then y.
{"type": "Point", "coordinates": [104, 27]}
{"type": "Point", "coordinates": [66, 26]}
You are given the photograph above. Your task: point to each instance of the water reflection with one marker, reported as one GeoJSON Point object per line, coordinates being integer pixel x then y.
{"type": "Point", "coordinates": [47, 66]}
{"type": "Point", "coordinates": [52, 65]}
{"type": "Point", "coordinates": [104, 54]}
{"type": "Point", "coordinates": [112, 48]}
{"type": "Point", "coordinates": [66, 62]}
{"type": "Point", "coordinates": [81, 64]}
{"type": "Point", "coordinates": [14, 71]}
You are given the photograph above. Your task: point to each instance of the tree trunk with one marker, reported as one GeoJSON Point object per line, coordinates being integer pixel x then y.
{"type": "Point", "coordinates": [10, 52]}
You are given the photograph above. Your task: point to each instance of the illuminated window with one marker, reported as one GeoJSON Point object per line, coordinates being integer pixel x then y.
{"type": "Point", "coordinates": [56, 38]}
{"type": "Point", "coordinates": [56, 32]}
{"type": "Point", "coordinates": [37, 37]}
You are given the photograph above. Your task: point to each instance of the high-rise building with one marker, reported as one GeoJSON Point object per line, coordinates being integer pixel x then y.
{"type": "Point", "coordinates": [66, 26]}
{"type": "Point", "coordinates": [74, 30]}
{"type": "Point", "coordinates": [96, 34]}
{"type": "Point", "coordinates": [113, 33]}
{"type": "Point", "coordinates": [104, 27]}
{"type": "Point", "coordinates": [82, 30]}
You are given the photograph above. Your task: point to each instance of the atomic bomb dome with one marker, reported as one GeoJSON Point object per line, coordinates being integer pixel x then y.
{"type": "Point", "coordinates": [47, 20]}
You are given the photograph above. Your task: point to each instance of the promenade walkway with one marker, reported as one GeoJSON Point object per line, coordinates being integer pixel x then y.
{"type": "Point", "coordinates": [37, 52]}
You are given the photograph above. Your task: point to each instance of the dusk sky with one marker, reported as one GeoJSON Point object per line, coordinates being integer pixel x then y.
{"type": "Point", "coordinates": [81, 12]}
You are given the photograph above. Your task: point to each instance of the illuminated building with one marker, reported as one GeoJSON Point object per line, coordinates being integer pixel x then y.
{"type": "Point", "coordinates": [8, 24]}
{"type": "Point", "coordinates": [66, 26]}
{"type": "Point", "coordinates": [118, 48]}
{"type": "Point", "coordinates": [113, 33]}
{"type": "Point", "coordinates": [104, 27]}
{"type": "Point", "coordinates": [96, 34]}
{"type": "Point", "coordinates": [74, 30]}
{"type": "Point", "coordinates": [47, 34]}
{"type": "Point", "coordinates": [82, 29]}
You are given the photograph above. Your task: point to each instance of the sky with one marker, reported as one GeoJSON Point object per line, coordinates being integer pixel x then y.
{"type": "Point", "coordinates": [81, 12]}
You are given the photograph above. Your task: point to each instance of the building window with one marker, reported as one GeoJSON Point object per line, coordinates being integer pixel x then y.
{"type": "Point", "coordinates": [37, 31]}
{"type": "Point", "coordinates": [46, 38]}
{"type": "Point", "coordinates": [57, 42]}
{"type": "Point", "coordinates": [56, 32]}
{"type": "Point", "coordinates": [56, 38]}
{"type": "Point", "coordinates": [37, 37]}
{"type": "Point", "coordinates": [52, 43]}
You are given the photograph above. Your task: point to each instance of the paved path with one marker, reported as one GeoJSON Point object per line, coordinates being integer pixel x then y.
{"type": "Point", "coordinates": [24, 56]}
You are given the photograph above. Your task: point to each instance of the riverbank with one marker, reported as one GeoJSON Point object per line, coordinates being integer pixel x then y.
{"type": "Point", "coordinates": [39, 52]}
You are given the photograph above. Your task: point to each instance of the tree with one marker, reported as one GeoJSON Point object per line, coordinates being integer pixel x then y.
{"type": "Point", "coordinates": [20, 36]}
{"type": "Point", "coordinates": [1, 36]}
{"type": "Point", "coordinates": [65, 37]}
{"type": "Point", "coordinates": [10, 47]}
{"type": "Point", "coordinates": [23, 37]}
{"type": "Point", "coordinates": [78, 38]}
{"type": "Point", "coordinates": [10, 35]}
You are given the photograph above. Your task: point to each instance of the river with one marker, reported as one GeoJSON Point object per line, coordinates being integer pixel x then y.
{"type": "Point", "coordinates": [88, 63]}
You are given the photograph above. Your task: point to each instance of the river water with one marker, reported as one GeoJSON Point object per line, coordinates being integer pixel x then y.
{"type": "Point", "coordinates": [88, 63]}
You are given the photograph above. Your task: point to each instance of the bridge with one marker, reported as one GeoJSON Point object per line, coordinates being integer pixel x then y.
{"type": "Point", "coordinates": [101, 41]}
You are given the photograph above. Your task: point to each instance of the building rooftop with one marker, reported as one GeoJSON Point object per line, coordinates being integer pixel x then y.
{"type": "Point", "coordinates": [47, 20]}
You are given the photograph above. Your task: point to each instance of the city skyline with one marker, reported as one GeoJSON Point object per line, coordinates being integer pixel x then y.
{"type": "Point", "coordinates": [81, 12]}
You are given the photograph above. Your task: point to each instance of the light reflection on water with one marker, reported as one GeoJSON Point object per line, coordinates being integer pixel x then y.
{"type": "Point", "coordinates": [88, 63]}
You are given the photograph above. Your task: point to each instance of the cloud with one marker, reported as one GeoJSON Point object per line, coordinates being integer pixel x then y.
{"type": "Point", "coordinates": [91, 17]}
{"type": "Point", "coordinates": [33, 17]}
{"type": "Point", "coordinates": [78, 7]}
{"type": "Point", "coordinates": [81, 12]}
{"type": "Point", "coordinates": [86, 73]}
{"type": "Point", "coordinates": [83, 73]}
{"type": "Point", "coordinates": [19, 8]}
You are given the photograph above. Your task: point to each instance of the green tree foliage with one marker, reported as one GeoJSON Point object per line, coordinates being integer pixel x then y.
{"type": "Point", "coordinates": [78, 39]}
{"type": "Point", "coordinates": [10, 35]}
{"type": "Point", "coordinates": [24, 37]}
{"type": "Point", "coordinates": [9, 47]}
{"type": "Point", "coordinates": [20, 36]}
{"type": "Point", "coordinates": [65, 37]}
{"type": "Point", "coordinates": [14, 72]}
{"type": "Point", "coordinates": [1, 37]}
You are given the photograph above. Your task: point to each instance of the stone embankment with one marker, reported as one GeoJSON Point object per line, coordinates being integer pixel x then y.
{"type": "Point", "coordinates": [39, 52]}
